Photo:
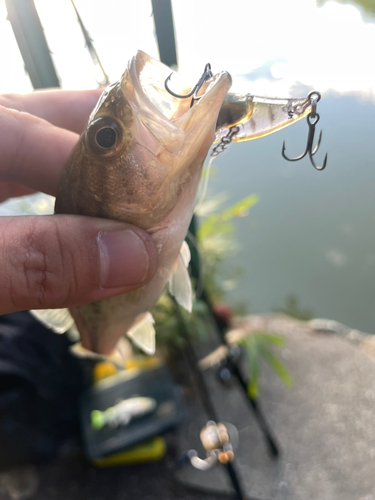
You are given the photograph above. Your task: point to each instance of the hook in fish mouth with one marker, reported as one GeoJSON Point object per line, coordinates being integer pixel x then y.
{"type": "Point", "coordinates": [207, 73]}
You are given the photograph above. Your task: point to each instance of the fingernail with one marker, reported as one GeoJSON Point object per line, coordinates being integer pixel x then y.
{"type": "Point", "coordinates": [124, 259]}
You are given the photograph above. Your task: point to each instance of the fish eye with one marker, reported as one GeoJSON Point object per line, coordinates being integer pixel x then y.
{"type": "Point", "coordinates": [105, 136]}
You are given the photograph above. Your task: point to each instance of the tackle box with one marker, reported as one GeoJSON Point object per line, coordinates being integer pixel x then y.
{"type": "Point", "coordinates": [155, 383]}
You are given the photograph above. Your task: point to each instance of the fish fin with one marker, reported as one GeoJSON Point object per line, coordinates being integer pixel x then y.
{"type": "Point", "coordinates": [179, 282]}
{"type": "Point", "coordinates": [116, 358]}
{"type": "Point", "coordinates": [142, 333]}
{"type": "Point", "coordinates": [58, 320]}
{"type": "Point", "coordinates": [185, 253]}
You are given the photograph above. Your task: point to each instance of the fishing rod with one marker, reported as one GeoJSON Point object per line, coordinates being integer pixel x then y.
{"type": "Point", "coordinates": [201, 387]}
{"type": "Point", "coordinates": [102, 77]}
{"type": "Point", "coordinates": [231, 360]}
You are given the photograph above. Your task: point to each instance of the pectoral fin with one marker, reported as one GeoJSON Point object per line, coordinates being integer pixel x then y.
{"type": "Point", "coordinates": [58, 320]}
{"type": "Point", "coordinates": [142, 333]}
{"type": "Point", "coordinates": [179, 282]}
{"type": "Point", "coordinates": [185, 253]}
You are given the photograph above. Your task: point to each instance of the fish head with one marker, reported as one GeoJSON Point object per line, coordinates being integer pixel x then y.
{"type": "Point", "coordinates": [141, 146]}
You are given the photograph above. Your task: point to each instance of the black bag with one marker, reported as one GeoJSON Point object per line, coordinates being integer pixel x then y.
{"type": "Point", "coordinates": [40, 385]}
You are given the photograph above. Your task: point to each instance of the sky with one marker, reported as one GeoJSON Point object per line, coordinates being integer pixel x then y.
{"type": "Point", "coordinates": [271, 47]}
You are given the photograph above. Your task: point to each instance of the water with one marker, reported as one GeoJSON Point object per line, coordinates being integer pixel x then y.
{"type": "Point", "coordinates": [312, 233]}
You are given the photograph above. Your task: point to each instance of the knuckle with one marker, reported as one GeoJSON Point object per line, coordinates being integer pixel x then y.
{"type": "Point", "coordinates": [44, 266]}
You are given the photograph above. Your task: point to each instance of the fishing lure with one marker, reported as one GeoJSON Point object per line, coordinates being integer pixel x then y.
{"type": "Point", "coordinates": [243, 117]}
{"type": "Point", "coordinates": [122, 413]}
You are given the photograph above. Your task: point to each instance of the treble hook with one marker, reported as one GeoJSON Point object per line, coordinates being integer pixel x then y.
{"type": "Point", "coordinates": [207, 73]}
{"type": "Point", "coordinates": [312, 119]}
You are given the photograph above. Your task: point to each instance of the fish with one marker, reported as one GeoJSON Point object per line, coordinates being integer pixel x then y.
{"type": "Point", "coordinates": [147, 174]}
{"type": "Point", "coordinates": [149, 178]}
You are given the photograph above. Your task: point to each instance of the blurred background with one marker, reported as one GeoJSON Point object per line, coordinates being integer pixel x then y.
{"type": "Point", "coordinates": [309, 243]}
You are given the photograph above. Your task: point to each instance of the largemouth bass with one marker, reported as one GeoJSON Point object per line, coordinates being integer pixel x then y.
{"type": "Point", "coordinates": [140, 161]}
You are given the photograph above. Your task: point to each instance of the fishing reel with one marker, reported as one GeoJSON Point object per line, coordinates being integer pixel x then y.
{"type": "Point", "coordinates": [219, 440]}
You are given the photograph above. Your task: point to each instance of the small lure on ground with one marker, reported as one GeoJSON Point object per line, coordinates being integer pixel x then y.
{"type": "Point", "coordinates": [122, 413]}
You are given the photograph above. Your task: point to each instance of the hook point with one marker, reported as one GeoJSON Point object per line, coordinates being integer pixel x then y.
{"type": "Point", "coordinates": [324, 163]}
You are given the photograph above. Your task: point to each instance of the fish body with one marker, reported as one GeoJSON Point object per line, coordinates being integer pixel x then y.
{"type": "Point", "coordinates": [149, 177]}
{"type": "Point", "coordinates": [140, 161]}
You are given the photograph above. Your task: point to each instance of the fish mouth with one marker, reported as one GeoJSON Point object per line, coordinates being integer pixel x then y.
{"type": "Point", "coordinates": [149, 76]}
{"type": "Point", "coordinates": [170, 119]}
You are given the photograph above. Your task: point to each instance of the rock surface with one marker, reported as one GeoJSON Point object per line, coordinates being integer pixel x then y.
{"type": "Point", "coordinates": [325, 423]}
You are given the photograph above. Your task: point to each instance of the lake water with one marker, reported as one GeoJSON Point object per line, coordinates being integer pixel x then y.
{"type": "Point", "coordinates": [313, 233]}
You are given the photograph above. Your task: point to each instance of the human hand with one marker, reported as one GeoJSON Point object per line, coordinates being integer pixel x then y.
{"type": "Point", "coordinates": [55, 261]}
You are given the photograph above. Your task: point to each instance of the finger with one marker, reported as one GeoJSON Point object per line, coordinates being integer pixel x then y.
{"type": "Point", "coordinates": [33, 152]}
{"type": "Point", "coordinates": [68, 109]}
{"type": "Point", "coordinates": [57, 261]}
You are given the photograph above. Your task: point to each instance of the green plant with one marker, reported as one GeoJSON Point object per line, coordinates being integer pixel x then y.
{"type": "Point", "coordinates": [367, 6]}
{"type": "Point", "coordinates": [257, 347]}
{"type": "Point", "coordinates": [216, 240]}
{"type": "Point", "coordinates": [292, 308]}
{"type": "Point", "coordinates": [167, 324]}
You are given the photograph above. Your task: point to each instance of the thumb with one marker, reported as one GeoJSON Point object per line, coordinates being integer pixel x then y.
{"type": "Point", "coordinates": [56, 261]}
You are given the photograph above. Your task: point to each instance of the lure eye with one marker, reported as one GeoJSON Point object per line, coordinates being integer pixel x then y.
{"type": "Point", "coordinates": [105, 136]}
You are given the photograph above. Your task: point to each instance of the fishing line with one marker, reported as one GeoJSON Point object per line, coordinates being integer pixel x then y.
{"type": "Point", "coordinates": [216, 150]}
{"type": "Point", "coordinates": [202, 196]}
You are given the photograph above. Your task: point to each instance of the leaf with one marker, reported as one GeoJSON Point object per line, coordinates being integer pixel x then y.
{"type": "Point", "coordinates": [276, 365]}
{"type": "Point", "coordinates": [240, 208]}
{"type": "Point", "coordinates": [211, 205]}
{"type": "Point", "coordinates": [253, 388]}
{"type": "Point", "coordinates": [271, 339]}
{"type": "Point", "coordinates": [216, 223]}
{"type": "Point", "coordinates": [253, 355]}
{"type": "Point", "coordinates": [207, 227]}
